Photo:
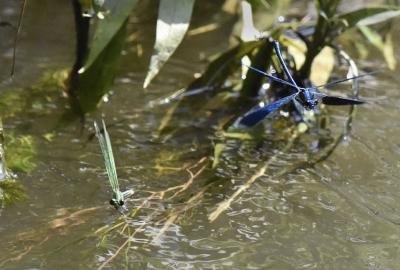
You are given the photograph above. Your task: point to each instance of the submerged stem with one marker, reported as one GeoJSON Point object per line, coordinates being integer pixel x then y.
{"type": "Point", "coordinates": [321, 37]}
{"type": "Point", "coordinates": [18, 29]}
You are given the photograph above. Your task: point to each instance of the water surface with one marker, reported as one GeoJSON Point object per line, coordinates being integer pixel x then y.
{"type": "Point", "coordinates": [340, 214]}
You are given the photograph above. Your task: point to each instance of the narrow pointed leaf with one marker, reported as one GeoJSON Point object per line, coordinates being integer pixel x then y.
{"type": "Point", "coordinates": [249, 32]}
{"type": "Point", "coordinates": [369, 15]}
{"type": "Point", "coordinates": [108, 27]}
{"type": "Point", "coordinates": [388, 52]}
{"type": "Point", "coordinates": [97, 79]}
{"type": "Point", "coordinates": [218, 149]}
{"type": "Point", "coordinates": [172, 24]}
{"type": "Point", "coordinates": [384, 46]}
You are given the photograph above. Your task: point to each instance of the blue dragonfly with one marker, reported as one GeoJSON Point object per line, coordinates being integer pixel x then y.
{"type": "Point", "coordinates": [306, 97]}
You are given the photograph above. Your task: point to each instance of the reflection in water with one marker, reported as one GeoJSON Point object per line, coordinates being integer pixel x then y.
{"type": "Point", "coordinates": [339, 214]}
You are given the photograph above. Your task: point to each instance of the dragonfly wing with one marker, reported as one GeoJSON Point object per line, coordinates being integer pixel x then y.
{"type": "Point", "coordinates": [331, 100]}
{"type": "Point", "coordinates": [254, 117]}
{"type": "Point", "coordinates": [105, 145]}
{"type": "Point", "coordinates": [283, 64]}
{"type": "Point", "coordinates": [348, 79]}
{"type": "Point", "coordinates": [112, 171]}
{"type": "Point", "coordinates": [271, 77]}
{"type": "Point", "coordinates": [298, 106]}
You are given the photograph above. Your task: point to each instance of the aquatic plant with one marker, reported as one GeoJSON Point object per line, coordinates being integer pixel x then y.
{"type": "Point", "coordinates": [11, 191]}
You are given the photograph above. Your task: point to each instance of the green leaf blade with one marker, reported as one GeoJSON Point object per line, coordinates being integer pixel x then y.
{"type": "Point", "coordinates": [108, 27]}
{"type": "Point", "coordinates": [172, 25]}
{"type": "Point", "coordinates": [97, 79]}
{"type": "Point", "coordinates": [369, 16]}
{"type": "Point", "coordinates": [385, 46]}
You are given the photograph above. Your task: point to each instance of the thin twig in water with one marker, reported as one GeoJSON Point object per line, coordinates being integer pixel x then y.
{"type": "Point", "coordinates": [189, 182]}
{"type": "Point", "coordinates": [21, 14]}
{"type": "Point", "coordinates": [115, 254]}
{"type": "Point", "coordinates": [149, 218]}
{"type": "Point", "coordinates": [55, 227]}
{"type": "Point", "coordinates": [175, 215]}
{"type": "Point", "coordinates": [21, 255]}
{"type": "Point", "coordinates": [171, 219]}
{"type": "Point", "coordinates": [227, 203]}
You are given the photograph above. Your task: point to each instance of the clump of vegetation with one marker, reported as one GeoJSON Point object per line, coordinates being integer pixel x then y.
{"type": "Point", "coordinates": [20, 152]}
{"type": "Point", "coordinates": [11, 191]}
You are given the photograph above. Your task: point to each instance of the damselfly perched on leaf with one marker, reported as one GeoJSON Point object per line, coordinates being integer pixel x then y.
{"type": "Point", "coordinates": [306, 97]}
{"type": "Point", "coordinates": [119, 197]}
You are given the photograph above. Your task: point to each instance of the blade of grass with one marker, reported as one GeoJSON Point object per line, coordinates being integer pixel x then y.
{"type": "Point", "coordinates": [172, 23]}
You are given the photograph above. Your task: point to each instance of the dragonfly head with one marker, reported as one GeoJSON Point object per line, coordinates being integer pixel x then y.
{"type": "Point", "coordinates": [308, 99]}
{"type": "Point", "coordinates": [310, 104]}
{"type": "Point", "coordinates": [116, 204]}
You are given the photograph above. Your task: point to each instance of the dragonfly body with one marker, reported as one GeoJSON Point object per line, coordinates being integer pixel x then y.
{"type": "Point", "coordinates": [309, 98]}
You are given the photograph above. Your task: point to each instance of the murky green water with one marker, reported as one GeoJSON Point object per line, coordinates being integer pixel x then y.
{"type": "Point", "coordinates": [340, 214]}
